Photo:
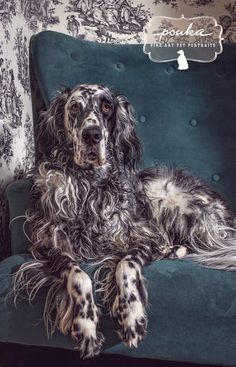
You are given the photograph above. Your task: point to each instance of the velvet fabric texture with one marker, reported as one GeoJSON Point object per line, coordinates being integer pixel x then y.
{"type": "Point", "coordinates": [185, 118]}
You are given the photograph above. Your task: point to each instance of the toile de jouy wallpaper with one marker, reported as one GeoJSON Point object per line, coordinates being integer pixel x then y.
{"type": "Point", "coordinates": [116, 21]}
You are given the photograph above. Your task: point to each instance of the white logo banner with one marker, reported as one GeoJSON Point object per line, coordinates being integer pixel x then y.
{"type": "Point", "coordinates": [197, 39]}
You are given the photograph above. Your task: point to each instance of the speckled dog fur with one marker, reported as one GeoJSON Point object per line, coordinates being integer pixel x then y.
{"type": "Point", "coordinates": [93, 204]}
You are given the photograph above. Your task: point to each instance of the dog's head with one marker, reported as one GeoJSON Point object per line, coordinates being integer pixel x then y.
{"type": "Point", "coordinates": [92, 125]}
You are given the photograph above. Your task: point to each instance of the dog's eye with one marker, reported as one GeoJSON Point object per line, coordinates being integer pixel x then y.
{"type": "Point", "coordinates": [105, 107]}
{"type": "Point", "coordinates": [74, 107]}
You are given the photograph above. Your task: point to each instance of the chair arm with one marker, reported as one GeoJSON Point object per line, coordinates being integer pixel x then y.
{"type": "Point", "coordinates": [18, 195]}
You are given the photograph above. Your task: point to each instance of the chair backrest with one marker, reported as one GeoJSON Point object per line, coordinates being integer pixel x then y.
{"type": "Point", "coordinates": [185, 118]}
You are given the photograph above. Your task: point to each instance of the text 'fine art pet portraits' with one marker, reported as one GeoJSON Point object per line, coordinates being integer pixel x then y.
{"type": "Point", "coordinates": [92, 203]}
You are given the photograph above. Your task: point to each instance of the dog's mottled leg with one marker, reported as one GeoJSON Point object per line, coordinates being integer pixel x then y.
{"type": "Point", "coordinates": [81, 312]}
{"type": "Point", "coordinates": [76, 312]}
{"type": "Point", "coordinates": [69, 304]}
{"type": "Point", "coordinates": [130, 301]}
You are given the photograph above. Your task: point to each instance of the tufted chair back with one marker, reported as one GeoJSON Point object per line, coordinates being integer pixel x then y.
{"type": "Point", "coordinates": [184, 118]}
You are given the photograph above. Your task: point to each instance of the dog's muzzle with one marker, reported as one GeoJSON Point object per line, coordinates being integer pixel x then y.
{"type": "Point", "coordinates": [91, 151]}
{"type": "Point", "coordinates": [92, 135]}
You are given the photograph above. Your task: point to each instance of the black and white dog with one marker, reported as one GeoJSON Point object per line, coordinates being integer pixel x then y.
{"type": "Point", "coordinates": [92, 204]}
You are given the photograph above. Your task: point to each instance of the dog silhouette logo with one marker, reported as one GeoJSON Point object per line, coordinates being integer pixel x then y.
{"type": "Point", "coordinates": [197, 39]}
{"type": "Point", "coordinates": [182, 61]}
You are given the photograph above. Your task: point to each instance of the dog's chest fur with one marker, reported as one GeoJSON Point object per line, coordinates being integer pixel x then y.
{"type": "Point", "coordinates": [109, 213]}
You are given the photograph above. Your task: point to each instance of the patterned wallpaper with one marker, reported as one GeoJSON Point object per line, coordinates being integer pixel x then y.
{"type": "Point", "coordinates": [116, 21]}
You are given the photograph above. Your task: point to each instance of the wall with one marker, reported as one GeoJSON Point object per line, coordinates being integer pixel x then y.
{"type": "Point", "coordinates": [118, 21]}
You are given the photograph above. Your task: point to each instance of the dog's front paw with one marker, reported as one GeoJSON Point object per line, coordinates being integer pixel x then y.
{"type": "Point", "coordinates": [84, 329]}
{"type": "Point", "coordinates": [129, 304]}
{"type": "Point", "coordinates": [132, 319]}
{"type": "Point", "coordinates": [87, 339]}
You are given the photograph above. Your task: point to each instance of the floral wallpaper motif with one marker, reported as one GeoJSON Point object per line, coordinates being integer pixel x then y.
{"type": "Point", "coordinates": [115, 21]}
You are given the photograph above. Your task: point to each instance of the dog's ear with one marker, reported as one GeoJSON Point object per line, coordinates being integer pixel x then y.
{"type": "Point", "coordinates": [50, 128]}
{"type": "Point", "coordinates": [127, 145]}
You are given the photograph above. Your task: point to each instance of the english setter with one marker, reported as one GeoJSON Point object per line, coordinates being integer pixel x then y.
{"type": "Point", "coordinates": [92, 203]}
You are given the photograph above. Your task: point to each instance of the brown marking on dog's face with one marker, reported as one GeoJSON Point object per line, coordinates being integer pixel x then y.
{"type": "Point", "coordinates": [87, 114]}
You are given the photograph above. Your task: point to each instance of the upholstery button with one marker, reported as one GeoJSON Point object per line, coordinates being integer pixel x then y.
{"type": "Point", "coordinates": [169, 69]}
{"type": "Point", "coordinates": [119, 65]}
{"type": "Point", "coordinates": [74, 56]}
{"type": "Point", "coordinates": [193, 122]}
{"type": "Point", "coordinates": [220, 71]}
{"type": "Point", "coordinates": [142, 118]}
{"type": "Point", "coordinates": [215, 177]}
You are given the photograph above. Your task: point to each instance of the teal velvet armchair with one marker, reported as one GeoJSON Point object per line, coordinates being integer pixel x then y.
{"type": "Point", "coordinates": [184, 119]}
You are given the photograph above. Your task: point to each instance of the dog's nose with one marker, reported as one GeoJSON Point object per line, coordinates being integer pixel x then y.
{"type": "Point", "coordinates": [92, 135]}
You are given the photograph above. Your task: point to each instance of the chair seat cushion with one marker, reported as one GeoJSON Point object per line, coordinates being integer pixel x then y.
{"type": "Point", "coordinates": [192, 315]}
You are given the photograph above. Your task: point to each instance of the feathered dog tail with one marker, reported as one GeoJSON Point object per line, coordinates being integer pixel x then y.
{"type": "Point", "coordinates": [36, 275]}
{"type": "Point", "coordinates": [214, 244]}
